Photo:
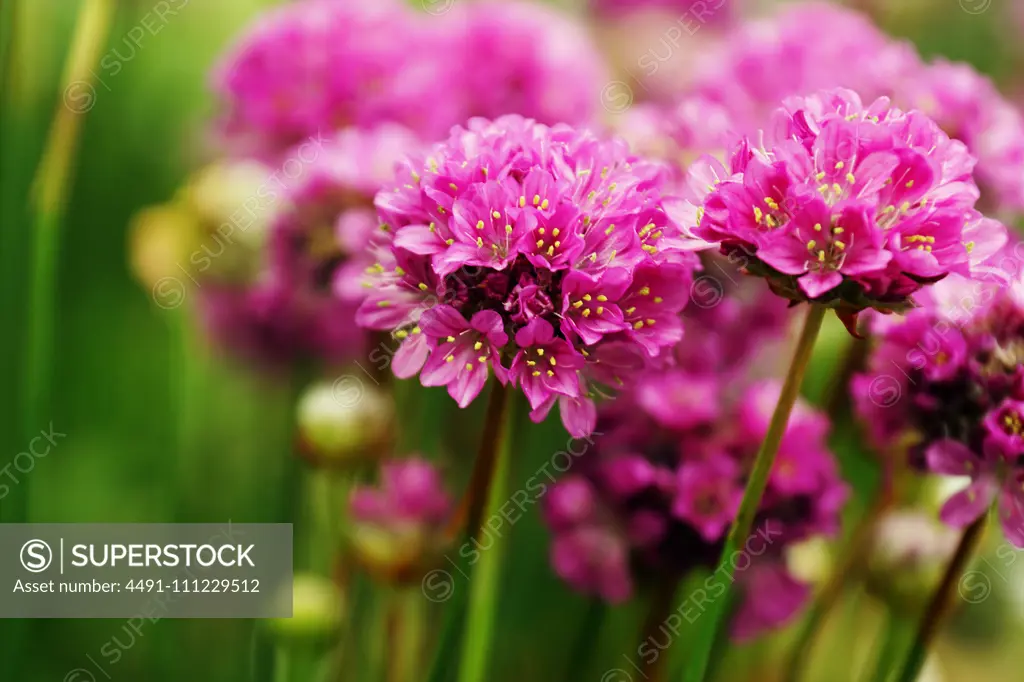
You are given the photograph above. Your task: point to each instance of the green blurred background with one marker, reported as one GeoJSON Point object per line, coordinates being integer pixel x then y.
{"type": "Point", "coordinates": [159, 429]}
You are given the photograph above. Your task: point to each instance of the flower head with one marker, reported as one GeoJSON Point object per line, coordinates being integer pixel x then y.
{"type": "Point", "coordinates": [543, 254]}
{"type": "Point", "coordinates": [948, 381]}
{"type": "Point", "coordinates": [656, 492]}
{"type": "Point", "coordinates": [970, 108]}
{"type": "Point", "coordinates": [524, 58]}
{"type": "Point", "coordinates": [398, 526]}
{"type": "Point", "coordinates": [321, 202]}
{"type": "Point", "coordinates": [319, 66]}
{"type": "Point", "coordinates": [811, 46]}
{"type": "Point", "coordinates": [851, 205]}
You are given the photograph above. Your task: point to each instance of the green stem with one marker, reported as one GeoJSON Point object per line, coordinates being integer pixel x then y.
{"type": "Point", "coordinates": [282, 664]}
{"type": "Point", "coordinates": [409, 655]}
{"type": "Point", "coordinates": [586, 639]}
{"type": "Point", "coordinates": [938, 607]}
{"type": "Point", "coordinates": [50, 194]}
{"type": "Point", "coordinates": [481, 615]}
{"type": "Point", "coordinates": [893, 640]}
{"type": "Point", "coordinates": [469, 516]}
{"type": "Point", "coordinates": [700, 653]}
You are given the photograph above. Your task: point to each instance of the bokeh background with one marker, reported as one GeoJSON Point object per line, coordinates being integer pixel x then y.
{"type": "Point", "coordinates": [161, 428]}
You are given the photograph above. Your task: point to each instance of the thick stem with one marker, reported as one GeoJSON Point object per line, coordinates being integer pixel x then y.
{"type": "Point", "coordinates": [484, 587]}
{"type": "Point", "coordinates": [469, 516]}
{"type": "Point", "coordinates": [700, 653]}
{"type": "Point", "coordinates": [939, 606]}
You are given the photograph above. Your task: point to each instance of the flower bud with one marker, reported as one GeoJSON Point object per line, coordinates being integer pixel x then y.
{"type": "Point", "coordinates": [398, 528]}
{"type": "Point", "coordinates": [159, 239]}
{"type": "Point", "coordinates": [234, 207]}
{"type": "Point", "coordinates": [910, 553]}
{"type": "Point", "coordinates": [343, 421]}
{"type": "Point", "coordinates": [317, 608]}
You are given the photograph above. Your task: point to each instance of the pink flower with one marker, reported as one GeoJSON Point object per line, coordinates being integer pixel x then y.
{"type": "Point", "coordinates": [522, 57]}
{"type": "Point", "coordinates": [308, 68]}
{"type": "Point", "coordinates": [850, 205]}
{"type": "Point", "coordinates": [811, 46]}
{"type": "Point", "coordinates": [948, 379]}
{"type": "Point", "coordinates": [553, 245]}
{"type": "Point", "coordinates": [298, 304]}
{"type": "Point", "coordinates": [654, 494]}
{"type": "Point", "coordinates": [397, 527]}
{"type": "Point", "coordinates": [708, 495]}
{"type": "Point", "coordinates": [995, 477]}
{"type": "Point", "coordinates": [970, 108]}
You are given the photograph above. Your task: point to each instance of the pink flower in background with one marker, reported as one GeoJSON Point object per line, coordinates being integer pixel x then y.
{"type": "Point", "coordinates": [948, 381]}
{"type": "Point", "coordinates": [654, 494]}
{"type": "Point", "coordinates": [411, 492]}
{"type": "Point", "coordinates": [546, 251]}
{"type": "Point", "coordinates": [310, 68]}
{"type": "Point", "coordinates": [970, 108]}
{"type": "Point", "coordinates": [814, 46]}
{"type": "Point", "coordinates": [805, 47]}
{"type": "Point", "coordinates": [397, 527]}
{"type": "Point", "coordinates": [526, 58]}
{"type": "Point", "coordinates": [714, 12]}
{"type": "Point", "coordinates": [321, 221]}
{"type": "Point", "coordinates": [857, 206]}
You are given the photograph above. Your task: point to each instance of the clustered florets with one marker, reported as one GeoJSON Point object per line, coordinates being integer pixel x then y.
{"type": "Point", "coordinates": [948, 380]}
{"type": "Point", "coordinates": [656, 493]}
{"type": "Point", "coordinates": [848, 205]}
{"type": "Point", "coordinates": [543, 254]}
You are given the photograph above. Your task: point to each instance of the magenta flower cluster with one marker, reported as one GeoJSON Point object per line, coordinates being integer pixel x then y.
{"type": "Point", "coordinates": [657, 492]}
{"type": "Point", "coordinates": [322, 65]}
{"type": "Point", "coordinates": [542, 254]}
{"type": "Point", "coordinates": [949, 380]}
{"type": "Point", "coordinates": [410, 493]}
{"type": "Point", "coordinates": [324, 222]}
{"type": "Point", "coordinates": [812, 46]}
{"type": "Point", "coordinates": [851, 205]}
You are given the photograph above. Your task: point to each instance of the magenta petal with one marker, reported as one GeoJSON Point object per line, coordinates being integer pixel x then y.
{"type": "Point", "coordinates": [1011, 513]}
{"type": "Point", "coordinates": [579, 416]}
{"type": "Point", "coordinates": [966, 506]}
{"type": "Point", "coordinates": [468, 384]}
{"type": "Point", "coordinates": [419, 239]}
{"type": "Point", "coordinates": [818, 283]}
{"type": "Point", "coordinates": [952, 458]}
{"type": "Point", "coordinates": [410, 356]}
{"type": "Point", "coordinates": [786, 255]}
{"type": "Point", "coordinates": [441, 321]}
